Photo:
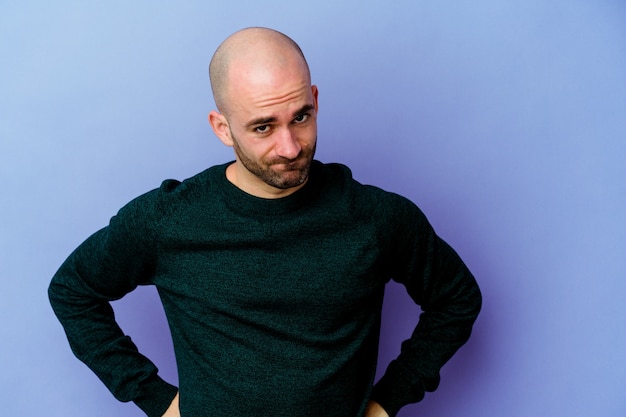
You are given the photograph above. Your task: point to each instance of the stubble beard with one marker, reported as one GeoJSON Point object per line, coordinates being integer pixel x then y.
{"type": "Point", "coordinates": [296, 172]}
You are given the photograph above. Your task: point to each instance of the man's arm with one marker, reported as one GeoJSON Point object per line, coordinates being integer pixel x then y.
{"type": "Point", "coordinates": [97, 340]}
{"type": "Point", "coordinates": [436, 279]}
{"type": "Point", "coordinates": [108, 265]}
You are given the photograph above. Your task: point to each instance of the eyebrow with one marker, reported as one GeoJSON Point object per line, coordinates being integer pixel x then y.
{"type": "Point", "coordinates": [271, 119]}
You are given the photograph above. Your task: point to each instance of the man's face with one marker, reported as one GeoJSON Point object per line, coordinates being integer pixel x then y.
{"type": "Point", "coordinates": [272, 125]}
{"type": "Point", "coordinates": [279, 172]}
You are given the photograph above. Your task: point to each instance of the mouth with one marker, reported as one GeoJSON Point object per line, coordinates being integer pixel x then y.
{"type": "Point", "coordinates": [293, 165]}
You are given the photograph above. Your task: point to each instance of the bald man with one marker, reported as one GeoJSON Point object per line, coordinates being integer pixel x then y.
{"type": "Point", "coordinates": [262, 88]}
{"type": "Point", "coordinates": [271, 268]}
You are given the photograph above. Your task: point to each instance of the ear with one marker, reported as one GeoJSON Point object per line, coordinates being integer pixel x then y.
{"type": "Point", "coordinates": [219, 124]}
{"type": "Point", "coordinates": [315, 91]}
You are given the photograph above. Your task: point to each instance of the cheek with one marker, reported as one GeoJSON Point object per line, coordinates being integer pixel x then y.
{"type": "Point", "coordinates": [257, 150]}
{"type": "Point", "coordinates": [309, 133]}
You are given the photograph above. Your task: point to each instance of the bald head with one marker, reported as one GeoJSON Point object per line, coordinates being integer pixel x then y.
{"type": "Point", "coordinates": [251, 51]}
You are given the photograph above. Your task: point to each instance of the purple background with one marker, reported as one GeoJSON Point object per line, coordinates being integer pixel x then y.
{"type": "Point", "coordinates": [504, 120]}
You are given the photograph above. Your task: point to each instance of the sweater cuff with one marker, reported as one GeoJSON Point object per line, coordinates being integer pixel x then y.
{"type": "Point", "coordinates": [396, 389]}
{"type": "Point", "coordinates": [155, 397]}
{"type": "Point", "coordinates": [386, 395]}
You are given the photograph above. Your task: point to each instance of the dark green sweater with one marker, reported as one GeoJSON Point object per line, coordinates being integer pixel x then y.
{"type": "Point", "coordinates": [274, 305]}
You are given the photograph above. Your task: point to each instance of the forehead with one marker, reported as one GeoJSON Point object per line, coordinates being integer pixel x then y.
{"type": "Point", "coordinates": [268, 92]}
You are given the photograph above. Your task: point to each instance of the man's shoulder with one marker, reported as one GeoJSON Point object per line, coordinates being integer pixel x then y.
{"type": "Point", "coordinates": [209, 178]}
{"type": "Point", "coordinates": [368, 196]}
{"type": "Point", "coordinates": [337, 174]}
{"type": "Point", "coordinates": [332, 170]}
{"type": "Point", "coordinates": [173, 194]}
{"type": "Point", "coordinates": [340, 173]}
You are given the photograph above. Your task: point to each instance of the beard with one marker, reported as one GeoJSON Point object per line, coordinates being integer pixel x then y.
{"type": "Point", "coordinates": [281, 173]}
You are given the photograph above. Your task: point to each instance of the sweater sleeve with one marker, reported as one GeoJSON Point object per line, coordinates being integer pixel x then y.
{"type": "Point", "coordinates": [436, 279]}
{"type": "Point", "coordinates": [108, 265]}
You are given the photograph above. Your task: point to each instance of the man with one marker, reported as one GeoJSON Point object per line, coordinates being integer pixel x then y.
{"type": "Point", "coordinates": [271, 269]}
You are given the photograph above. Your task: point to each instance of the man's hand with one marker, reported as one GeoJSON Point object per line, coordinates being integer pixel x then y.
{"type": "Point", "coordinates": [173, 410]}
{"type": "Point", "coordinates": [375, 410]}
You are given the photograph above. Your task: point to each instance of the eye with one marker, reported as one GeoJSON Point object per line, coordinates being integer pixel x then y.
{"type": "Point", "coordinates": [301, 118]}
{"type": "Point", "coordinates": [262, 129]}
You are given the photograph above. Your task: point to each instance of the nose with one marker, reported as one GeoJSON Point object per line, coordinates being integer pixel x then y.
{"type": "Point", "coordinates": [287, 145]}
